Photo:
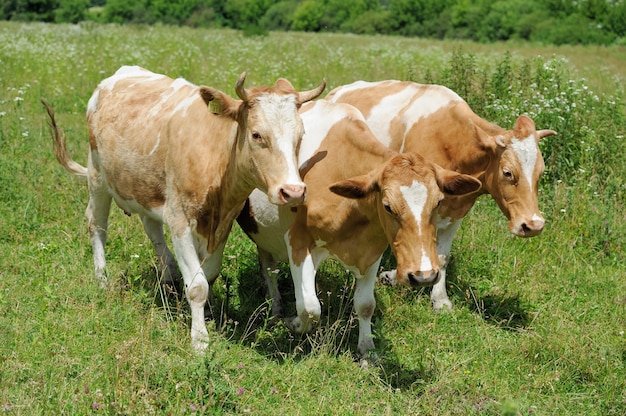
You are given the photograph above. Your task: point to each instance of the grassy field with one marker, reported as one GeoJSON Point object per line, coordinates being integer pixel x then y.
{"type": "Point", "coordinates": [538, 325]}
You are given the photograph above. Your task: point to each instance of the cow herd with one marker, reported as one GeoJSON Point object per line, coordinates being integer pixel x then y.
{"type": "Point", "coordinates": [370, 166]}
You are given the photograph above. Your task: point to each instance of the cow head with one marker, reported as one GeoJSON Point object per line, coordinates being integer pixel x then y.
{"type": "Point", "coordinates": [269, 132]}
{"type": "Point", "coordinates": [513, 176]}
{"type": "Point", "coordinates": [408, 190]}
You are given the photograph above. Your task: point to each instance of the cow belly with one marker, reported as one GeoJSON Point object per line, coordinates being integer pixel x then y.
{"type": "Point", "coordinates": [131, 206]}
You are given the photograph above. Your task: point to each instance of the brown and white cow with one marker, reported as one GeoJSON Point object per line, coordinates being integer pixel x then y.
{"type": "Point", "coordinates": [435, 122]}
{"type": "Point", "coordinates": [363, 197]}
{"type": "Point", "coordinates": [186, 156]}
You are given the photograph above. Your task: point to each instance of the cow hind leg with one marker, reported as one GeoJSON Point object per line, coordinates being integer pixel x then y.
{"type": "Point", "coordinates": [97, 214]}
{"type": "Point", "coordinates": [269, 271]}
{"type": "Point", "coordinates": [154, 230]}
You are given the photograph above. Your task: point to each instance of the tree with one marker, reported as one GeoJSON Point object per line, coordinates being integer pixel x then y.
{"type": "Point", "coordinates": [71, 11]}
{"type": "Point", "coordinates": [308, 16]}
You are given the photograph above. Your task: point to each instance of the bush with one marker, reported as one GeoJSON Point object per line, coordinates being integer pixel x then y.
{"type": "Point", "coordinates": [71, 11]}
{"type": "Point", "coordinates": [279, 16]}
{"type": "Point", "coordinates": [573, 29]}
{"type": "Point", "coordinates": [371, 22]}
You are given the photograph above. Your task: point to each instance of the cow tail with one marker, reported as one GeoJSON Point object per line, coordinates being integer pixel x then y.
{"type": "Point", "coordinates": [58, 144]}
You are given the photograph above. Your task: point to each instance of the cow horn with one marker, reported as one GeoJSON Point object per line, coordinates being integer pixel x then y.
{"type": "Point", "coordinates": [305, 96]}
{"type": "Point", "coordinates": [239, 89]}
{"type": "Point", "coordinates": [545, 133]}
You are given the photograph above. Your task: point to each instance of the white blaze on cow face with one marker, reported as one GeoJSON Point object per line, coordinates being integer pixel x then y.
{"type": "Point", "coordinates": [416, 196]}
{"type": "Point", "coordinates": [527, 152]}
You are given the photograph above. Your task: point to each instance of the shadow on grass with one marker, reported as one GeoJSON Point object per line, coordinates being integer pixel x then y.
{"type": "Point", "coordinates": [504, 311]}
{"type": "Point", "coordinates": [249, 322]}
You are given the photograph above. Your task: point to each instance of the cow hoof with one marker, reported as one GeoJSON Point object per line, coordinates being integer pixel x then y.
{"type": "Point", "coordinates": [369, 360]}
{"type": "Point", "coordinates": [294, 324]}
{"type": "Point", "coordinates": [199, 346]}
{"type": "Point", "coordinates": [388, 278]}
{"type": "Point", "coordinates": [442, 305]}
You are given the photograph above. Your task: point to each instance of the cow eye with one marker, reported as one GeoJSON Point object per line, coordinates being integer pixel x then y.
{"type": "Point", "coordinates": [256, 136]}
{"type": "Point", "coordinates": [388, 208]}
{"type": "Point", "coordinates": [507, 173]}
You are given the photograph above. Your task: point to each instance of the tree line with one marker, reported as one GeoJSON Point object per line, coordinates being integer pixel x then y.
{"type": "Point", "coordinates": [548, 21]}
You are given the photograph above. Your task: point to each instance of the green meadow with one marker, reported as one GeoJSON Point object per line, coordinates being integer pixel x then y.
{"type": "Point", "coordinates": [538, 326]}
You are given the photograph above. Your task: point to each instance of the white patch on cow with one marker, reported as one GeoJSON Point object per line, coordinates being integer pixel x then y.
{"type": "Point", "coordinates": [92, 104]}
{"type": "Point", "coordinates": [536, 217]}
{"type": "Point", "coordinates": [184, 104]}
{"type": "Point", "coordinates": [167, 95]}
{"type": "Point", "coordinates": [416, 196]}
{"type": "Point", "coordinates": [315, 131]}
{"type": "Point", "coordinates": [357, 85]}
{"type": "Point", "coordinates": [379, 119]}
{"type": "Point", "coordinates": [425, 261]}
{"type": "Point", "coordinates": [129, 72]}
{"type": "Point", "coordinates": [156, 144]}
{"type": "Point", "coordinates": [526, 151]}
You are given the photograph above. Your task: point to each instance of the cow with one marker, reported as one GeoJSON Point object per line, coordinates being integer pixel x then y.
{"type": "Point", "coordinates": [435, 122]}
{"type": "Point", "coordinates": [363, 197]}
{"type": "Point", "coordinates": [186, 156]}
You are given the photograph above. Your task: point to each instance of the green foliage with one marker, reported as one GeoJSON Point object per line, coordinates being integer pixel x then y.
{"type": "Point", "coordinates": [307, 17]}
{"type": "Point", "coordinates": [71, 11]}
{"type": "Point", "coordinates": [550, 21]}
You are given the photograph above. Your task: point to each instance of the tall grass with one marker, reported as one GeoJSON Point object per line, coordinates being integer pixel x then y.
{"type": "Point", "coordinates": [538, 325]}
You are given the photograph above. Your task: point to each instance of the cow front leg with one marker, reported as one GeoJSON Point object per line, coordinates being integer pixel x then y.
{"type": "Point", "coordinates": [439, 296]}
{"type": "Point", "coordinates": [196, 286]}
{"type": "Point", "coordinates": [364, 306]}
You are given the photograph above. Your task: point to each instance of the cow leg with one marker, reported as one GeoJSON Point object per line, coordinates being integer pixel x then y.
{"type": "Point", "coordinates": [308, 305]}
{"type": "Point", "coordinates": [97, 214]}
{"type": "Point", "coordinates": [211, 265]}
{"type": "Point", "coordinates": [438, 296]}
{"type": "Point", "coordinates": [364, 305]}
{"type": "Point", "coordinates": [154, 230]}
{"type": "Point", "coordinates": [196, 285]}
{"type": "Point", "coordinates": [269, 271]}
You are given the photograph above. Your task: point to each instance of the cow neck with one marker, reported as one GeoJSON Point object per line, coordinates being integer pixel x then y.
{"type": "Point", "coordinates": [225, 200]}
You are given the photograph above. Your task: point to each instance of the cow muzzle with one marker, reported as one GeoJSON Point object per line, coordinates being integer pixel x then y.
{"type": "Point", "coordinates": [528, 228]}
{"type": "Point", "coordinates": [423, 278]}
{"type": "Point", "coordinates": [292, 194]}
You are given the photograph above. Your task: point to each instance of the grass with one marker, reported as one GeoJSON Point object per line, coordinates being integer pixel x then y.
{"type": "Point", "coordinates": [538, 325]}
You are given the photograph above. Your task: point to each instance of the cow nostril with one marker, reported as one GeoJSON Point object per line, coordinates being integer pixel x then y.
{"type": "Point", "coordinates": [525, 228]}
{"type": "Point", "coordinates": [423, 278]}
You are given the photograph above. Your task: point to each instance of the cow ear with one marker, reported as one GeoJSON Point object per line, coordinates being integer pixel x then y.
{"type": "Point", "coordinates": [454, 183]}
{"type": "Point", "coordinates": [524, 124]}
{"type": "Point", "coordinates": [284, 85]}
{"type": "Point", "coordinates": [220, 103]}
{"type": "Point", "coordinates": [355, 188]}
